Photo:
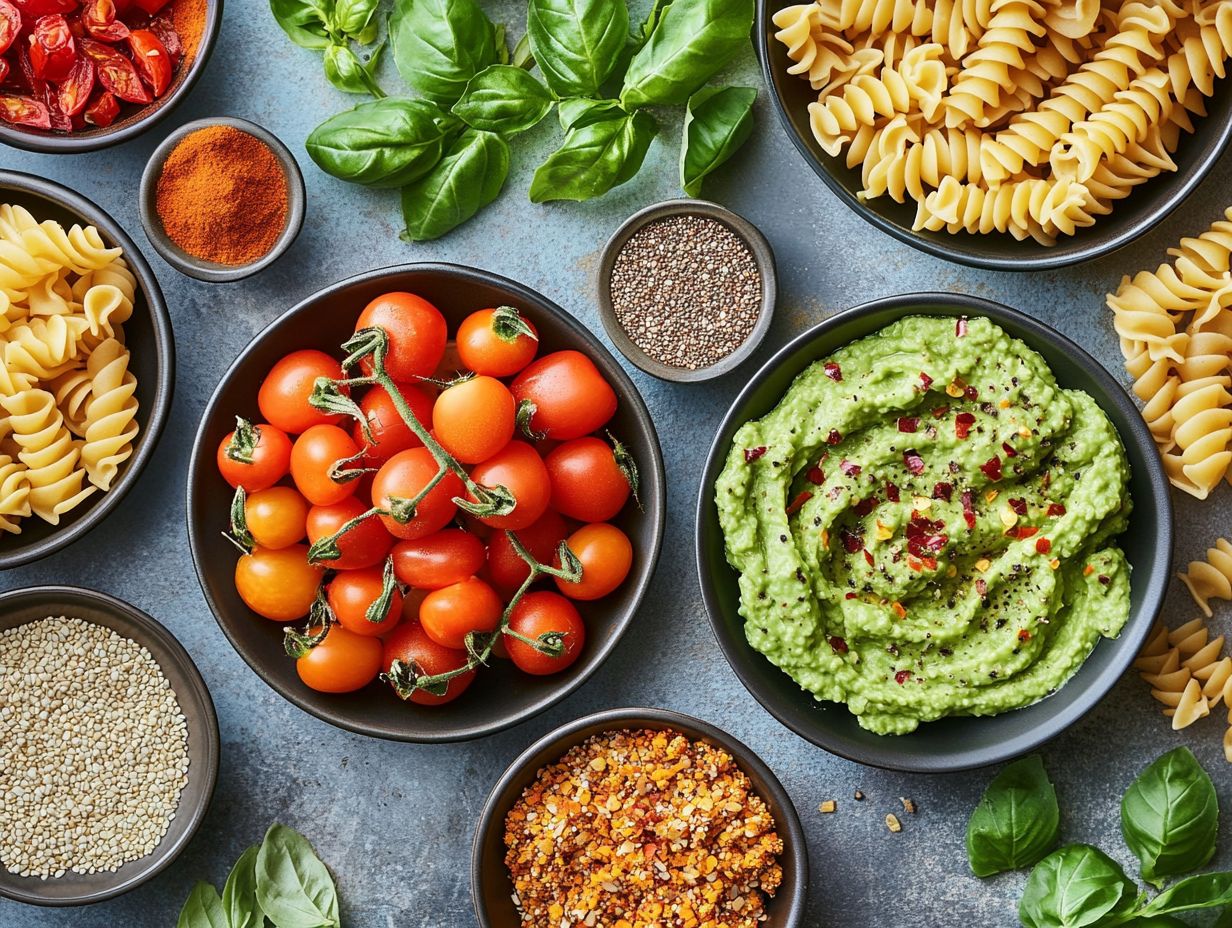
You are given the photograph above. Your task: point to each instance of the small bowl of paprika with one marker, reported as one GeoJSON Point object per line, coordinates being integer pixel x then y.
{"type": "Point", "coordinates": [221, 199]}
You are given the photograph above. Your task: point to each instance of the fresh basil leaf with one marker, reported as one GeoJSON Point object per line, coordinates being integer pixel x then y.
{"type": "Point", "coordinates": [503, 99]}
{"type": "Point", "coordinates": [1204, 891]}
{"type": "Point", "coordinates": [577, 43]}
{"type": "Point", "coordinates": [203, 909]}
{"type": "Point", "coordinates": [345, 71]}
{"type": "Point", "coordinates": [502, 44]}
{"type": "Point", "coordinates": [652, 20]}
{"type": "Point", "coordinates": [304, 21]}
{"type": "Point", "coordinates": [293, 887]}
{"type": "Point", "coordinates": [717, 122]}
{"type": "Point", "coordinates": [351, 17]}
{"type": "Point", "coordinates": [1170, 817]}
{"type": "Point", "coordinates": [467, 179]}
{"type": "Point", "coordinates": [1017, 820]}
{"type": "Point", "coordinates": [522, 58]}
{"type": "Point", "coordinates": [439, 45]}
{"type": "Point", "coordinates": [594, 158]}
{"type": "Point", "coordinates": [693, 40]}
{"type": "Point", "coordinates": [1073, 887]}
{"type": "Point", "coordinates": [368, 34]}
{"type": "Point", "coordinates": [576, 112]}
{"type": "Point", "coordinates": [239, 895]}
{"type": "Point", "coordinates": [385, 143]}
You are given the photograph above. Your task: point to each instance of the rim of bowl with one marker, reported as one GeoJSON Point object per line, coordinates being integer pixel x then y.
{"type": "Point", "coordinates": [737, 652]}
{"type": "Point", "coordinates": [200, 268]}
{"type": "Point", "coordinates": [163, 348]}
{"type": "Point", "coordinates": [549, 748]}
{"type": "Point", "coordinates": [43, 141]}
{"type": "Point", "coordinates": [745, 230]}
{"type": "Point", "coordinates": [971, 256]}
{"type": "Point", "coordinates": [150, 629]}
{"type": "Point", "coordinates": [626, 391]}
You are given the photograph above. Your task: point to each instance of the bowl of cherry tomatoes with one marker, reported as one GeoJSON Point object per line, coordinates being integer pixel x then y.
{"type": "Point", "coordinates": [425, 503]}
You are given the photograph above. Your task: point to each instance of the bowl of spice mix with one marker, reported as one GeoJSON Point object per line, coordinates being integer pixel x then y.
{"type": "Point", "coordinates": [221, 199]}
{"type": "Point", "coordinates": [686, 289]}
{"type": "Point", "coordinates": [636, 818]}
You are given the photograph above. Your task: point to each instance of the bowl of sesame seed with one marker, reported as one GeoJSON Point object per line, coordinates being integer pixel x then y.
{"type": "Point", "coordinates": [108, 746]}
{"type": "Point", "coordinates": [686, 289]}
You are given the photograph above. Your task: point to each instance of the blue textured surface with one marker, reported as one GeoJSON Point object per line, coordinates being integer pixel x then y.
{"type": "Point", "coordinates": [394, 821]}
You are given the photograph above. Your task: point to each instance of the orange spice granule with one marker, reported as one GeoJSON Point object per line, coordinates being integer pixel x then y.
{"type": "Point", "coordinates": [188, 17]}
{"type": "Point", "coordinates": [634, 829]}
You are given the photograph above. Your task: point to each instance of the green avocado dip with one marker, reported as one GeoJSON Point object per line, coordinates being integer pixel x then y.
{"type": "Point", "coordinates": [925, 525]}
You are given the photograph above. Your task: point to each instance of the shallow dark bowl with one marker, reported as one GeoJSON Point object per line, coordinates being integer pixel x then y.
{"type": "Point", "coordinates": [1130, 218]}
{"type": "Point", "coordinates": [501, 696]}
{"type": "Point", "coordinates": [138, 120]}
{"type": "Point", "coordinates": [956, 743]}
{"type": "Point", "coordinates": [491, 888]}
{"type": "Point", "coordinates": [17, 607]}
{"type": "Point", "coordinates": [147, 334]}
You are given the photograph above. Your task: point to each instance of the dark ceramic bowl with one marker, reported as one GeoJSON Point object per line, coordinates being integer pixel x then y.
{"type": "Point", "coordinates": [1130, 218]}
{"type": "Point", "coordinates": [133, 120]}
{"type": "Point", "coordinates": [960, 742]}
{"type": "Point", "coordinates": [501, 695]}
{"type": "Point", "coordinates": [147, 334]}
{"type": "Point", "coordinates": [491, 888]}
{"type": "Point", "coordinates": [17, 607]}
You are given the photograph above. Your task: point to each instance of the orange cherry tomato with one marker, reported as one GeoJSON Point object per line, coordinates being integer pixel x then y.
{"type": "Point", "coordinates": [254, 456]}
{"type": "Point", "coordinates": [151, 60]}
{"type": "Point", "coordinates": [353, 592]}
{"type": "Point", "coordinates": [587, 481]}
{"type": "Point", "coordinates": [403, 477]}
{"type": "Point", "coordinates": [497, 342]}
{"type": "Point", "coordinates": [390, 433]}
{"type": "Point", "coordinates": [518, 468]}
{"type": "Point", "coordinates": [569, 395]}
{"type": "Point", "coordinates": [416, 331]}
{"type": "Point", "coordinates": [606, 555]}
{"type": "Point", "coordinates": [437, 560]}
{"type": "Point", "coordinates": [313, 457]}
{"type": "Point", "coordinates": [342, 663]}
{"type": "Point", "coordinates": [537, 614]}
{"type": "Point", "coordinates": [410, 644]}
{"type": "Point", "coordinates": [276, 517]}
{"type": "Point", "coordinates": [448, 614]}
{"type": "Point", "coordinates": [278, 584]}
{"type": "Point", "coordinates": [474, 419]}
{"type": "Point", "coordinates": [506, 569]}
{"type": "Point", "coordinates": [362, 545]}
{"type": "Point", "coordinates": [283, 395]}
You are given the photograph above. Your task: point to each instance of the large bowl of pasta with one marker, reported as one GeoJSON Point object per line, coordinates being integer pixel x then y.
{"type": "Point", "coordinates": [88, 366]}
{"type": "Point", "coordinates": [1011, 136]}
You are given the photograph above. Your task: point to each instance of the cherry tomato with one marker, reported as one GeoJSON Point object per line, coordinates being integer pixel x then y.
{"type": "Point", "coordinates": [10, 24]}
{"type": "Point", "coordinates": [448, 614]}
{"type": "Point", "coordinates": [537, 614]}
{"type": "Point", "coordinates": [116, 73]}
{"type": "Point", "coordinates": [497, 342]}
{"type": "Point", "coordinates": [53, 50]}
{"type": "Point", "coordinates": [254, 456]}
{"type": "Point", "coordinates": [569, 395]}
{"type": "Point", "coordinates": [313, 456]}
{"type": "Point", "coordinates": [587, 481]}
{"type": "Point", "coordinates": [606, 555]}
{"type": "Point", "coordinates": [74, 93]}
{"type": "Point", "coordinates": [410, 644]}
{"type": "Point", "coordinates": [283, 396]}
{"type": "Point", "coordinates": [24, 111]}
{"type": "Point", "coordinates": [276, 517]}
{"type": "Point", "coordinates": [363, 545]}
{"type": "Point", "coordinates": [151, 60]}
{"type": "Point", "coordinates": [474, 419]}
{"type": "Point", "coordinates": [506, 569]}
{"type": "Point", "coordinates": [162, 27]}
{"type": "Point", "coordinates": [416, 331]}
{"type": "Point", "coordinates": [103, 109]}
{"type": "Point", "coordinates": [342, 663]}
{"type": "Point", "coordinates": [403, 477]}
{"type": "Point", "coordinates": [390, 433]}
{"type": "Point", "coordinates": [352, 592]}
{"type": "Point", "coordinates": [518, 468]}
{"type": "Point", "coordinates": [279, 584]}
{"type": "Point", "coordinates": [99, 19]}
{"type": "Point", "coordinates": [435, 561]}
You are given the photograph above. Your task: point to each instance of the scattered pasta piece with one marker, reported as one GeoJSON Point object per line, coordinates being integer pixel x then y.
{"type": "Point", "coordinates": [1212, 578]}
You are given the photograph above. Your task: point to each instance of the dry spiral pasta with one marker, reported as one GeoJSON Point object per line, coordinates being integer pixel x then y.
{"type": "Point", "coordinates": [1211, 578]}
{"type": "Point", "coordinates": [1188, 673]}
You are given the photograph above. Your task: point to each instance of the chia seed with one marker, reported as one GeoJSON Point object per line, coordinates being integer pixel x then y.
{"type": "Point", "coordinates": [687, 290]}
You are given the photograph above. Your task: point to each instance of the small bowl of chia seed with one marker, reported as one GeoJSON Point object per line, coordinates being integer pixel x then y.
{"type": "Point", "coordinates": [686, 289]}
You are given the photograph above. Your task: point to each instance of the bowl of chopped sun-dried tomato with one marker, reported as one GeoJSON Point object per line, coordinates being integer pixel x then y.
{"type": "Point", "coordinates": [636, 817]}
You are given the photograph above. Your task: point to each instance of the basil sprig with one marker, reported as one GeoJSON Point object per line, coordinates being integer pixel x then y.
{"type": "Point", "coordinates": [717, 122]}
{"type": "Point", "coordinates": [335, 27]}
{"type": "Point", "coordinates": [1170, 817]}
{"type": "Point", "coordinates": [1017, 820]}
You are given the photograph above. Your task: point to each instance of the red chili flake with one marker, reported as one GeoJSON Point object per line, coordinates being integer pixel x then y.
{"type": "Point", "coordinates": [914, 462]}
{"type": "Point", "coordinates": [850, 595]}
{"type": "Point", "coordinates": [962, 424]}
{"type": "Point", "coordinates": [752, 454]}
{"type": "Point", "coordinates": [1019, 506]}
{"type": "Point", "coordinates": [1043, 545]}
{"type": "Point", "coordinates": [833, 371]}
{"type": "Point", "coordinates": [981, 587]}
{"type": "Point", "coordinates": [1056, 509]}
{"type": "Point", "coordinates": [799, 501]}
{"type": "Point", "coordinates": [924, 535]}
{"type": "Point", "coordinates": [1008, 449]}
{"type": "Point", "coordinates": [892, 493]}
{"type": "Point", "coordinates": [971, 393]}
{"type": "Point", "coordinates": [899, 609]}
{"type": "Point", "coordinates": [943, 491]}
{"type": "Point", "coordinates": [968, 500]}
{"type": "Point", "coordinates": [902, 677]}
{"type": "Point", "coordinates": [908, 424]}
{"type": "Point", "coordinates": [1022, 531]}
{"type": "Point", "coordinates": [940, 411]}
{"type": "Point", "coordinates": [816, 475]}
{"type": "Point", "coordinates": [864, 506]}
{"type": "Point", "coordinates": [925, 381]}
{"type": "Point", "coordinates": [1104, 579]}
{"type": "Point", "coordinates": [848, 468]}
{"type": "Point", "coordinates": [992, 468]}
{"type": "Point", "coordinates": [852, 542]}
{"type": "Point", "coordinates": [1024, 635]}
{"type": "Point", "coordinates": [868, 557]}
{"type": "Point", "coordinates": [834, 437]}
{"type": "Point", "coordinates": [929, 562]}
{"type": "Point", "coordinates": [960, 327]}
{"type": "Point", "coordinates": [838, 645]}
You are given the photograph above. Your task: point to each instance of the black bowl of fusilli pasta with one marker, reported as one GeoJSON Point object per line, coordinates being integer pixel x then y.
{"type": "Point", "coordinates": [88, 367]}
{"type": "Point", "coordinates": [1003, 143]}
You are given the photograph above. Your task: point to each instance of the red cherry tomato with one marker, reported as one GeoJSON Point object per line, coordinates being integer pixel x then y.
{"type": "Point", "coordinates": [352, 593]}
{"type": "Point", "coordinates": [436, 561]}
{"type": "Point", "coordinates": [115, 72]}
{"type": "Point", "coordinates": [518, 468]}
{"type": "Point", "coordinates": [363, 545]}
{"type": "Point", "coordinates": [450, 613]}
{"type": "Point", "coordinates": [537, 614]}
{"type": "Point", "coordinates": [416, 331]}
{"type": "Point", "coordinates": [162, 27]}
{"type": "Point", "coordinates": [278, 584]}
{"type": "Point", "coordinates": [10, 25]}
{"type": "Point", "coordinates": [53, 50]}
{"type": "Point", "coordinates": [151, 60]}
{"type": "Point", "coordinates": [606, 555]}
{"type": "Point", "coordinates": [570, 397]}
{"type": "Point", "coordinates": [276, 517]}
{"type": "Point", "coordinates": [506, 569]}
{"type": "Point", "coordinates": [254, 456]}
{"type": "Point", "coordinates": [403, 477]}
{"type": "Point", "coordinates": [74, 93]}
{"type": "Point", "coordinates": [342, 663]}
{"type": "Point", "coordinates": [390, 433]}
{"type": "Point", "coordinates": [474, 419]}
{"type": "Point", "coordinates": [99, 19]}
{"type": "Point", "coordinates": [497, 342]}
{"type": "Point", "coordinates": [283, 395]}
{"type": "Point", "coordinates": [411, 645]}
{"type": "Point", "coordinates": [103, 109]}
{"type": "Point", "coordinates": [587, 481]}
{"type": "Point", "coordinates": [313, 457]}
{"type": "Point", "coordinates": [24, 111]}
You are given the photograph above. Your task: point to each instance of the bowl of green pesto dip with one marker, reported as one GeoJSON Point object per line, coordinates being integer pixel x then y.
{"type": "Point", "coordinates": [932, 533]}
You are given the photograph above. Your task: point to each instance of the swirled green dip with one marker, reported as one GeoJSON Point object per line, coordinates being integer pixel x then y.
{"type": "Point", "coordinates": [924, 525]}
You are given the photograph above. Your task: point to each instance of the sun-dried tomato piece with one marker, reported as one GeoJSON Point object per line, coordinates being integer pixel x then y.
{"type": "Point", "coordinates": [962, 424]}
{"type": "Point", "coordinates": [837, 644]}
{"type": "Point", "coordinates": [902, 677]}
{"type": "Point", "coordinates": [103, 110]}
{"type": "Point", "coordinates": [24, 111]}
{"type": "Point", "coordinates": [100, 21]}
{"type": "Point", "coordinates": [1056, 509]}
{"type": "Point", "coordinates": [799, 501]}
{"type": "Point", "coordinates": [1008, 449]}
{"type": "Point", "coordinates": [1019, 506]}
{"type": "Point", "coordinates": [10, 26]}
{"type": "Point", "coordinates": [892, 493]}
{"type": "Point", "coordinates": [833, 371]}
{"type": "Point", "coordinates": [913, 461]}
{"type": "Point", "coordinates": [752, 454]}
{"type": "Point", "coordinates": [816, 475]}
{"type": "Point", "coordinates": [834, 437]}
{"type": "Point", "coordinates": [943, 491]}
{"type": "Point", "coordinates": [116, 73]}
{"type": "Point", "coordinates": [73, 95]}
{"type": "Point", "coordinates": [925, 381]}
{"type": "Point", "coordinates": [908, 424]}
{"type": "Point", "coordinates": [992, 468]}
{"type": "Point", "coordinates": [1043, 545]}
